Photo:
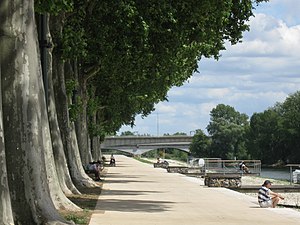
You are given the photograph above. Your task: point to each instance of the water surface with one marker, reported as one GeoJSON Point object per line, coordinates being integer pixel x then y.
{"type": "Point", "coordinates": [276, 173]}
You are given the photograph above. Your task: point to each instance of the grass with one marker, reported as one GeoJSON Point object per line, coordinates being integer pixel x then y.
{"type": "Point", "coordinates": [143, 160]}
{"type": "Point", "coordinates": [87, 201]}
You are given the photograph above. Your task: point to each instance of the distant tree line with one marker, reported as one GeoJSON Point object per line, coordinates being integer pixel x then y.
{"type": "Point", "coordinates": [272, 136]}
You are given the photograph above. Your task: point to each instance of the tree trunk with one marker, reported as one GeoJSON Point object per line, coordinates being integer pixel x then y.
{"type": "Point", "coordinates": [58, 197]}
{"type": "Point", "coordinates": [96, 143]}
{"type": "Point", "coordinates": [81, 126]}
{"type": "Point", "coordinates": [64, 177]}
{"type": "Point", "coordinates": [6, 216]}
{"type": "Point", "coordinates": [81, 121]}
{"type": "Point", "coordinates": [67, 129]}
{"type": "Point", "coordinates": [96, 151]}
{"type": "Point", "coordinates": [27, 137]}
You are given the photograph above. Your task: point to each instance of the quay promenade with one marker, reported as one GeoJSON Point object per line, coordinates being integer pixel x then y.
{"type": "Point", "coordinates": [135, 193]}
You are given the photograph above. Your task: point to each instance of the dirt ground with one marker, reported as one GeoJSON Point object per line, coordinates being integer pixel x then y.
{"type": "Point", "coordinates": [87, 201]}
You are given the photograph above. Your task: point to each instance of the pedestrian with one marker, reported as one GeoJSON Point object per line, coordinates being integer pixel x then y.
{"type": "Point", "coordinates": [112, 160]}
{"type": "Point", "coordinates": [243, 167]}
{"type": "Point", "coordinates": [268, 198]}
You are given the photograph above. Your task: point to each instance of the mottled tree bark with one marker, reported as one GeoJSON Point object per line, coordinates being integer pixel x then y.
{"type": "Point", "coordinates": [27, 136]}
{"type": "Point", "coordinates": [96, 150]}
{"type": "Point", "coordinates": [96, 143]}
{"type": "Point", "coordinates": [72, 72]}
{"type": "Point", "coordinates": [64, 177]}
{"type": "Point", "coordinates": [81, 124]}
{"type": "Point", "coordinates": [6, 216]}
{"type": "Point", "coordinates": [67, 127]}
{"type": "Point", "coordinates": [58, 197]}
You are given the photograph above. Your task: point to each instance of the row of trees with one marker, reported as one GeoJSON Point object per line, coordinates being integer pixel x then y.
{"type": "Point", "coordinates": [103, 62]}
{"type": "Point", "coordinates": [272, 136]}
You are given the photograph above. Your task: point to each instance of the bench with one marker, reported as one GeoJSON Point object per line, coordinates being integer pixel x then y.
{"type": "Point", "coordinates": [161, 165]}
{"type": "Point", "coordinates": [177, 169]}
{"type": "Point", "coordinates": [228, 180]}
{"type": "Point", "coordinates": [88, 171]}
{"type": "Point", "coordinates": [195, 171]}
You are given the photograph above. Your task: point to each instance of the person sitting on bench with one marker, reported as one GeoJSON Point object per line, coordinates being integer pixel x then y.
{"type": "Point", "coordinates": [94, 167]}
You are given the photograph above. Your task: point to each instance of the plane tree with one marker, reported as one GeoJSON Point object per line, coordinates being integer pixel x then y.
{"type": "Point", "coordinates": [132, 53]}
{"type": "Point", "coordinates": [6, 216]}
{"type": "Point", "coordinates": [156, 46]}
{"type": "Point", "coordinates": [34, 190]}
{"type": "Point", "coordinates": [143, 49]}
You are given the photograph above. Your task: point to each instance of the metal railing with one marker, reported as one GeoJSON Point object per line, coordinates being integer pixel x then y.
{"type": "Point", "coordinates": [217, 165]}
{"type": "Point", "coordinates": [232, 166]}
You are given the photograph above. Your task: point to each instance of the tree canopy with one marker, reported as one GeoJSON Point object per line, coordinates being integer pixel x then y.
{"type": "Point", "coordinates": [274, 134]}
{"type": "Point", "coordinates": [227, 129]}
{"type": "Point", "coordinates": [139, 50]}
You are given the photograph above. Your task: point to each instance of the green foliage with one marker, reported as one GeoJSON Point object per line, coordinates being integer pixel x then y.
{"type": "Point", "coordinates": [93, 106]}
{"type": "Point", "coordinates": [96, 130]}
{"type": "Point", "coordinates": [71, 86]}
{"type": "Point", "coordinates": [201, 145]}
{"type": "Point", "coordinates": [274, 134]}
{"type": "Point", "coordinates": [143, 160]}
{"type": "Point", "coordinates": [227, 129]}
{"type": "Point", "coordinates": [180, 133]}
{"type": "Point", "coordinates": [265, 136]}
{"type": "Point", "coordinates": [139, 50]}
{"type": "Point", "coordinates": [74, 41]}
{"type": "Point", "coordinates": [127, 133]}
{"type": "Point", "coordinates": [77, 219]}
{"type": "Point", "coordinates": [53, 6]}
{"type": "Point", "coordinates": [146, 48]}
{"type": "Point", "coordinates": [291, 124]}
{"type": "Point", "coordinates": [151, 154]}
{"type": "Point", "coordinates": [176, 154]}
{"type": "Point", "coordinates": [75, 108]}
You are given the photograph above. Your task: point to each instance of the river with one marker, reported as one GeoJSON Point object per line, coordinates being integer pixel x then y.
{"type": "Point", "coordinates": [276, 173]}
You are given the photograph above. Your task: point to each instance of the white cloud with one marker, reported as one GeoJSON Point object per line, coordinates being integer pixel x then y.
{"type": "Point", "coordinates": [287, 10]}
{"type": "Point", "coordinates": [166, 109]}
{"type": "Point", "coordinates": [218, 92]}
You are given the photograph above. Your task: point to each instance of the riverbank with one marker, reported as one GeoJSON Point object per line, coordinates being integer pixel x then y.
{"type": "Point", "coordinates": [291, 199]}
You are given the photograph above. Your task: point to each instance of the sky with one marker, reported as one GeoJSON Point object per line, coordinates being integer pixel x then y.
{"type": "Point", "coordinates": [250, 76]}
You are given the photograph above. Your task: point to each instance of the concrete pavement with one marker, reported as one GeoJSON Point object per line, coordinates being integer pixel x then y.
{"type": "Point", "coordinates": [135, 193]}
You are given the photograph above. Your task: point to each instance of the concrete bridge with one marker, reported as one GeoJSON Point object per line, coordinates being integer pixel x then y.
{"type": "Point", "coordinates": [138, 145]}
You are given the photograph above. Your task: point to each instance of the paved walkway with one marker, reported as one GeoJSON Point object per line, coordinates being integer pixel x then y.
{"type": "Point", "coordinates": [135, 193]}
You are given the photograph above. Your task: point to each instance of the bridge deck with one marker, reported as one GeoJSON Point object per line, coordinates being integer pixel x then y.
{"type": "Point", "coordinates": [138, 145]}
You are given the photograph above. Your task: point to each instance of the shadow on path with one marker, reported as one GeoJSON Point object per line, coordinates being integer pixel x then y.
{"type": "Point", "coordinates": [127, 192]}
{"type": "Point", "coordinates": [133, 205]}
{"type": "Point", "coordinates": [127, 181]}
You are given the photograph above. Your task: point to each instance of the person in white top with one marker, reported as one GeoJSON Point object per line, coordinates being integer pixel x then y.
{"type": "Point", "coordinates": [266, 197]}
